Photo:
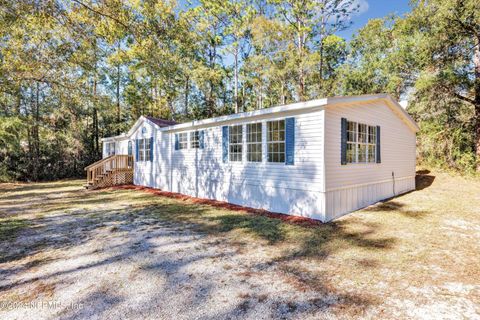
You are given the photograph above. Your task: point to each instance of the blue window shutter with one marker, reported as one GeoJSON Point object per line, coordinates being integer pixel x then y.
{"type": "Point", "coordinates": [225, 143]}
{"type": "Point", "coordinates": [151, 148]}
{"type": "Point", "coordinates": [343, 148]}
{"type": "Point", "coordinates": [176, 141]}
{"type": "Point", "coordinates": [136, 149]}
{"type": "Point", "coordinates": [201, 137]}
{"type": "Point", "coordinates": [379, 160]}
{"type": "Point", "coordinates": [290, 141]}
{"type": "Point", "coordinates": [130, 151]}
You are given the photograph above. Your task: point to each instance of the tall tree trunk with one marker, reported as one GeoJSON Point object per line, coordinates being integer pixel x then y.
{"type": "Point", "coordinates": [119, 111]}
{"type": "Point", "coordinates": [35, 134]}
{"type": "Point", "coordinates": [29, 134]}
{"type": "Point", "coordinates": [187, 92]}
{"type": "Point", "coordinates": [18, 106]}
{"type": "Point", "coordinates": [96, 144]}
{"type": "Point", "coordinates": [476, 61]}
{"type": "Point", "coordinates": [320, 71]}
{"type": "Point", "coordinates": [236, 78]}
{"type": "Point", "coordinates": [301, 71]}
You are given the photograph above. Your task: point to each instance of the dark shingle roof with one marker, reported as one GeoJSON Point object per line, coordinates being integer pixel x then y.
{"type": "Point", "coordinates": [161, 122]}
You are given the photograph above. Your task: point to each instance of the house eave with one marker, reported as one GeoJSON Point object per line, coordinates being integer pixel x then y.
{"type": "Point", "coordinates": [122, 136]}
{"type": "Point", "coordinates": [247, 115]}
{"type": "Point", "coordinates": [283, 109]}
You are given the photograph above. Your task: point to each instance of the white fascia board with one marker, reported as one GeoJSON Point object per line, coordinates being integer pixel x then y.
{"type": "Point", "coordinates": [403, 113]}
{"type": "Point", "coordinates": [245, 115]}
{"type": "Point", "coordinates": [123, 136]}
{"type": "Point", "coordinates": [130, 132]}
{"type": "Point", "coordinates": [135, 126]}
{"type": "Point", "coordinates": [391, 103]}
{"type": "Point", "coordinates": [299, 106]}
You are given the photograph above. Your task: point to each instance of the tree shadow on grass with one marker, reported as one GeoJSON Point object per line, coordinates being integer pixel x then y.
{"type": "Point", "coordinates": [395, 207]}
{"type": "Point", "coordinates": [423, 179]}
{"type": "Point", "coordinates": [41, 186]}
{"type": "Point", "coordinates": [263, 227]}
{"type": "Point", "coordinates": [64, 231]}
{"type": "Point", "coordinates": [328, 239]}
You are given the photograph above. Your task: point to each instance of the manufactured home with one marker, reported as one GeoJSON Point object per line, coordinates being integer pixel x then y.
{"type": "Point", "coordinates": [319, 159]}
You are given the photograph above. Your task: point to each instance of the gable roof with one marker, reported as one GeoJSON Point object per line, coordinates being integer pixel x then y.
{"type": "Point", "coordinates": [393, 104]}
{"type": "Point", "coordinates": [161, 122]}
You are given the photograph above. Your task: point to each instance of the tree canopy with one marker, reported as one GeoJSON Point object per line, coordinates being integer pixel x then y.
{"type": "Point", "coordinates": [73, 71]}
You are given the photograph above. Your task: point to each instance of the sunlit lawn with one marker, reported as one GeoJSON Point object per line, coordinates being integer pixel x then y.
{"type": "Point", "coordinates": [410, 249]}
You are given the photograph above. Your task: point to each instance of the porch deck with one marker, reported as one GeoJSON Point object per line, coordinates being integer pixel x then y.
{"type": "Point", "coordinates": [111, 171]}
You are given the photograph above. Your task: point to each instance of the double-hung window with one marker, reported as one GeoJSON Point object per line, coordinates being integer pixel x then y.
{"type": "Point", "coordinates": [235, 144]}
{"type": "Point", "coordinates": [372, 144]}
{"type": "Point", "coordinates": [254, 142]}
{"type": "Point", "coordinates": [361, 143]}
{"type": "Point", "coordinates": [351, 142]}
{"type": "Point", "coordinates": [276, 141]}
{"type": "Point", "coordinates": [147, 149]}
{"type": "Point", "coordinates": [195, 139]}
{"type": "Point", "coordinates": [182, 140]}
{"type": "Point", "coordinates": [110, 148]}
{"type": "Point", "coordinates": [141, 150]}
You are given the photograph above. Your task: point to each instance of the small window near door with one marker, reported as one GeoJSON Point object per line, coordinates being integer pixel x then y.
{"type": "Point", "coordinates": [147, 149]}
{"type": "Point", "coordinates": [110, 148]}
{"type": "Point", "coordinates": [141, 150]}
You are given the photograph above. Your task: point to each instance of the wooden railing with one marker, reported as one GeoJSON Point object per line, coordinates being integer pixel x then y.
{"type": "Point", "coordinates": [108, 166]}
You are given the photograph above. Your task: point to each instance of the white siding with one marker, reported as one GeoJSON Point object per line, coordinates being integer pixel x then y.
{"type": "Point", "coordinates": [315, 186]}
{"type": "Point", "coordinates": [121, 147]}
{"type": "Point", "coordinates": [293, 189]}
{"type": "Point", "coordinates": [353, 186]}
{"type": "Point", "coordinates": [145, 172]}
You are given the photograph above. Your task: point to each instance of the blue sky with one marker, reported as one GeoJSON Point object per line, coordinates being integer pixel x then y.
{"type": "Point", "coordinates": [370, 9]}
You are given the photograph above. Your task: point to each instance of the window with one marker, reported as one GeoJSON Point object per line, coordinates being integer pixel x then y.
{"type": "Point", "coordinates": [182, 140]}
{"type": "Point", "coordinates": [235, 143]}
{"type": "Point", "coordinates": [110, 148]}
{"type": "Point", "coordinates": [144, 149]}
{"type": "Point", "coordinates": [351, 142]}
{"type": "Point", "coordinates": [276, 141]}
{"type": "Point", "coordinates": [361, 143]}
{"type": "Point", "coordinates": [195, 139]}
{"type": "Point", "coordinates": [254, 142]}
{"type": "Point", "coordinates": [130, 150]}
{"type": "Point", "coordinates": [147, 149]}
{"type": "Point", "coordinates": [372, 144]}
{"type": "Point", "coordinates": [141, 150]}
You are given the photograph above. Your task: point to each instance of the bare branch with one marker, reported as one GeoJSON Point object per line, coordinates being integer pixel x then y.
{"type": "Point", "coordinates": [463, 98]}
{"type": "Point", "coordinates": [102, 14]}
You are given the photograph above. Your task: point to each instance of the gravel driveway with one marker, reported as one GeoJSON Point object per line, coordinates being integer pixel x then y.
{"type": "Point", "coordinates": [66, 253]}
{"type": "Point", "coordinates": [98, 264]}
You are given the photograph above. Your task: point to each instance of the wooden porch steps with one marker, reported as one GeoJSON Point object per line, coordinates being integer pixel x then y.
{"type": "Point", "coordinates": [111, 171]}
